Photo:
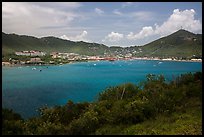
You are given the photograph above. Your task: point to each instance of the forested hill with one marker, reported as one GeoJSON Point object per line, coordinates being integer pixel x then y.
{"type": "Point", "coordinates": [13, 42]}
{"type": "Point", "coordinates": [179, 44]}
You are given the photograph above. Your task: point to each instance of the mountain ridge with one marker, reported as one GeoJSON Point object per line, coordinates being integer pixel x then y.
{"type": "Point", "coordinates": [181, 43]}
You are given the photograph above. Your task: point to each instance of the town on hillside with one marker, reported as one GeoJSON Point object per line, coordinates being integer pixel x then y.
{"type": "Point", "coordinates": [35, 57]}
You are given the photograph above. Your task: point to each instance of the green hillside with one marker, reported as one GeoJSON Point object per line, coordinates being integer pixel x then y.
{"type": "Point", "coordinates": [179, 44]}
{"type": "Point", "coordinates": [13, 42]}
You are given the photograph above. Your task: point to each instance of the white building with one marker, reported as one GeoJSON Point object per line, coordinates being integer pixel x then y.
{"type": "Point", "coordinates": [31, 53]}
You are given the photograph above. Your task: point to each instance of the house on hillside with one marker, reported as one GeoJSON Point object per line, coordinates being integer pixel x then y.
{"type": "Point", "coordinates": [35, 61]}
{"type": "Point", "coordinates": [37, 53]}
{"type": "Point", "coordinates": [31, 53]}
{"type": "Point", "coordinates": [54, 55]}
{"type": "Point", "coordinates": [23, 53]}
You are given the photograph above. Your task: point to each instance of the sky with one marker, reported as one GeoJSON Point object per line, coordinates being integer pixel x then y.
{"type": "Point", "coordinates": [111, 23]}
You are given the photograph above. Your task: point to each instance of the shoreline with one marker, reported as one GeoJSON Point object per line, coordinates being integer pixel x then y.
{"type": "Point", "coordinates": [5, 64]}
{"type": "Point", "coordinates": [171, 60]}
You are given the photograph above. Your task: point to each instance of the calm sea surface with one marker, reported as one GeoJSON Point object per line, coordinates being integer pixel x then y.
{"type": "Point", "coordinates": [25, 89]}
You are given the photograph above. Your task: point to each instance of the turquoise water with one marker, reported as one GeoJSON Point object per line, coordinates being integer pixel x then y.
{"type": "Point", "coordinates": [25, 90]}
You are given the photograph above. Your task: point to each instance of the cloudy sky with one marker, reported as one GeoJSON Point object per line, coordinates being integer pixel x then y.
{"type": "Point", "coordinates": [111, 23]}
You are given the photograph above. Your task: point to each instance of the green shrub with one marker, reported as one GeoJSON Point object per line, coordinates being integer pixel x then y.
{"type": "Point", "coordinates": [12, 127]}
{"type": "Point", "coordinates": [86, 124]}
{"type": "Point", "coordinates": [8, 114]}
{"type": "Point", "coordinates": [124, 91]}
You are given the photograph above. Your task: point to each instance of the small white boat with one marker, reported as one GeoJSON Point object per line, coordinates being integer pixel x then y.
{"type": "Point", "coordinates": [160, 62]}
{"type": "Point", "coordinates": [94, 64]}
{"type": "Point", "coordinates": [33, 68]}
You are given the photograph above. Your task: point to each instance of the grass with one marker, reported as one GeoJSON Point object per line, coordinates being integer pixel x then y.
{"type": "Point", "coordinates": [186, 122]}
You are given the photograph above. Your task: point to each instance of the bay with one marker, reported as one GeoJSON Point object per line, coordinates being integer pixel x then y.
{"type": "Point", "coordinates": [25, 89]}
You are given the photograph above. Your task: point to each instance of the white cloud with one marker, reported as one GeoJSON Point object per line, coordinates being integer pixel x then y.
{"type": "Point", "coordinates": [99, 11]}
{"type": "Point", "coordinates": [178, 19]}
{"type": "Point", "coordinates": [117, 12]}
{"type": "Point", "coordinates": [58, 5]}
{"type": "Point", "coordinates": [145, 32]}
{"type": "Point", "coordinates": [126, 4]}
{"type": "Point", "coordinates": [113, 37]}
{"type": "Point", "coordinates": [142, 15]}
{"type": "Point", "coordinates": [25, 17]}
{"type": "Point", "coordinates": [80, 37]}
{"type": "Point", "coordinates": [137, 15]}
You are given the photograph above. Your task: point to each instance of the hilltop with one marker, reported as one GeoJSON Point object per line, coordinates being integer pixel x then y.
{"type": "Point", "coordinates": [181, 44]}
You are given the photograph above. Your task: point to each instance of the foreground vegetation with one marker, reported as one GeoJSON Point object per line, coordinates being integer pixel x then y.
{"type": "Point", "coordinates": [152, 107]}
